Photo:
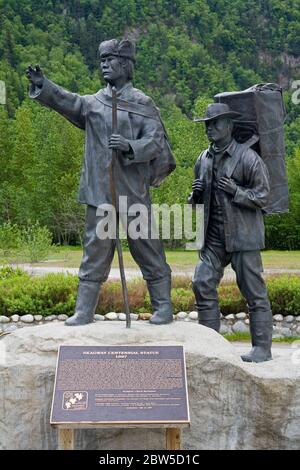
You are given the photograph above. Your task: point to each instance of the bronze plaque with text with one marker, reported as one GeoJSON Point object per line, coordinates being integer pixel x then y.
{"type": "Point", "coordinates": [120, 385]}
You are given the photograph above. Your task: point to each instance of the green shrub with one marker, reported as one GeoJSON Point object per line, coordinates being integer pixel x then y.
{"type": "Point", "coordinates": [184, 282]}
{"type": "Point", "coordinates": [56, 293]}
{"type": "Point", "coordinates": [9, 272]}
{"type": "Point", "coordinates": [51, 294]}
{"type": "Point", "coordinates": [230, 299]}
{"type": "Point", "coordinates": [182, 299]}
{"type": "Point", "coordinates": [111, 298]}
{"type": "Point", "coordinates": [29, 243]}
{"type": "Point", "coordinates": [10, 239]}
{"type": "Point", "coordinates": [284, 293]}
{"type": "Point", "coordinates": [37, 242]}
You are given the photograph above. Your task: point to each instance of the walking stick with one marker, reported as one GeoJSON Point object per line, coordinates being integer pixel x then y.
{"type": "Point", "coordinates": [114, 201]}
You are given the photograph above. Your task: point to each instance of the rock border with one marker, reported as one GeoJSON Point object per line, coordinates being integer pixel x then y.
{"type": "Point", "coordinates": [288, 326]}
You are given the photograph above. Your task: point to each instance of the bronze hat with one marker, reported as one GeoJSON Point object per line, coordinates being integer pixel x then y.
{"type": "Point", "coordinates": [216, 111]}
{"type": "Point", "coordinates": [124, 48]}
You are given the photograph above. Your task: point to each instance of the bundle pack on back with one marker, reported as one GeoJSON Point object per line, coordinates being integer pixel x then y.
{"type": "Point", "coordinates": [263, 113]}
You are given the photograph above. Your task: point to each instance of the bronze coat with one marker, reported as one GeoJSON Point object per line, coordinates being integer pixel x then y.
{"type": "Point", "coordinates": [138, 121]}
{"type": "Point", "coordinates": [243, 212]}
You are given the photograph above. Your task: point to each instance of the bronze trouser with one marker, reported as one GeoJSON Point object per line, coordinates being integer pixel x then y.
{"type": "Point", "coordinates": [98, 254]}
{"type": "Point", "coordinates": [209, 272]}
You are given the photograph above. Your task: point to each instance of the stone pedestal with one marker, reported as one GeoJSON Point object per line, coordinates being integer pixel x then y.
{"type": "Point", "coordinates": [233, 405]}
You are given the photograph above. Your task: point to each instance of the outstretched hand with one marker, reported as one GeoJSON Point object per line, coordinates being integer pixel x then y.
{"type": "Point", "coordinates": [35, 75]}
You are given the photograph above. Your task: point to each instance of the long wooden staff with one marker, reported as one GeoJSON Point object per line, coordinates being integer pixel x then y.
{"type": "Point", "coordinates": [114, 201]}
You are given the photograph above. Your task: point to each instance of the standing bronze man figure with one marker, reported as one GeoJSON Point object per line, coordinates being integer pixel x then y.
{"type": "Point", "coordinates": [144, 160]}
{"type": "Point", "coordinates": [232, 182]}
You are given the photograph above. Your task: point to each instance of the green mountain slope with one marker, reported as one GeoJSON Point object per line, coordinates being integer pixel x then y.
{"type": "Point", "coordinates": [184, 47]}
{"type": "Point", "coordinates": [187, 50]}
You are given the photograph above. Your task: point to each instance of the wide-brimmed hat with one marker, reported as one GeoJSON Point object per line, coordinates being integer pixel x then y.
{"type": "Point", "coordinates": [124, 48]}
{"type": "Point", "coordinates": [216, 111]}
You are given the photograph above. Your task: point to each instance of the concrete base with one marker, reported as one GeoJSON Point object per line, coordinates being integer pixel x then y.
{"type": "Point", "coordinates": [233, 405]}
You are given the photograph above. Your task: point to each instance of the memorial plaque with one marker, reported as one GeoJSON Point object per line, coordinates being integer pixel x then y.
{"type": "Point", "coordinates": [120, 385]}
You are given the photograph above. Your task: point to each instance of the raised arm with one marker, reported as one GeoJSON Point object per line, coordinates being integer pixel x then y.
{"type": "Point", "coordinates": [69, 105]}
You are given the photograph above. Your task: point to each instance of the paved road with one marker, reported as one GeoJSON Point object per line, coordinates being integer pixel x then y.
{"type": "Point", "coordinates": [132, 273]}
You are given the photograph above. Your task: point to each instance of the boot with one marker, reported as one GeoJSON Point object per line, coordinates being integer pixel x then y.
{"type": "Point", "coordinates": [86, 303]}
{"type": "Point", "coordinates": [160, 295]}
{"type": "Point", "coordinates": [210, 318]}
{"type": "Point", "coordinates": [261, 328]}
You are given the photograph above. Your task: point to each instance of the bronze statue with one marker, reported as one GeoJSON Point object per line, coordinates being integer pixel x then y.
{"type": "Point", "coordinates": [232, 182]}
{"type": "Point", "coordinates": [144, 160]}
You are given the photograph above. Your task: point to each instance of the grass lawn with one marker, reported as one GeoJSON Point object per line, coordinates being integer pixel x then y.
{"type": "Point", "coordinates": [245, 337]}
{"type": "Point", "coordinates": [70, 257]}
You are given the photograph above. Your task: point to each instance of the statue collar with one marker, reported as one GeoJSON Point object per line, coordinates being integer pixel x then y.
{"type": "Point", "coordinates": [229, 149]}
{"type": "Point", "coordinates": [146, 110]}
{"type": "Point", "coordinates": [107, 90]}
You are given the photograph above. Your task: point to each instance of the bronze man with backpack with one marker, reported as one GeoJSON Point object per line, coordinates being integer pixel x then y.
{"type": "Point", "coordinates": [232, 182]}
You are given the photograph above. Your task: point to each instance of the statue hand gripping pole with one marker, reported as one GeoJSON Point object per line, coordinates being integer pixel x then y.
{"type": "Point", "coordinates": [114, 201]}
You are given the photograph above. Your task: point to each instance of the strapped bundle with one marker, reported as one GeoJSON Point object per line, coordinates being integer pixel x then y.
{"type": "Point", "coordinates": [263, 114]}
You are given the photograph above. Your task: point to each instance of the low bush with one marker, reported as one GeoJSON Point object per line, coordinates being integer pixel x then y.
{"type": "Point", "coordinates": [284, 292]}
{"type": "Point", "coordinates": [51, 294]}
{"type": "Point", "coordinates": [56, 293]}
{"type": "Point", "coordinates": [10, 240]}
{"type": "Point", "coordinates": [111, 297]}
{"type": "Point", "coordinates": [230, 299]}
{"type": "Point", "coordinates": [182, 299]}
{"type": "Point", "coordinates": [31, 242]}
{"type": "Point", "coordinates": [8, 272]}
{"type": "Point", "coordinates": [36, 242]}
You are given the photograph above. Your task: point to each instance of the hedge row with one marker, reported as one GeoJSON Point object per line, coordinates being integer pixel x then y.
{"type": "Point", "coordinates": [56, 294]}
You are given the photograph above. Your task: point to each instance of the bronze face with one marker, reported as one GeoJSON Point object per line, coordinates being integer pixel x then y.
{"type": "Point", "coordinates": [218, 129]}
{"type": "Point", "coordinates": [112, 68]}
